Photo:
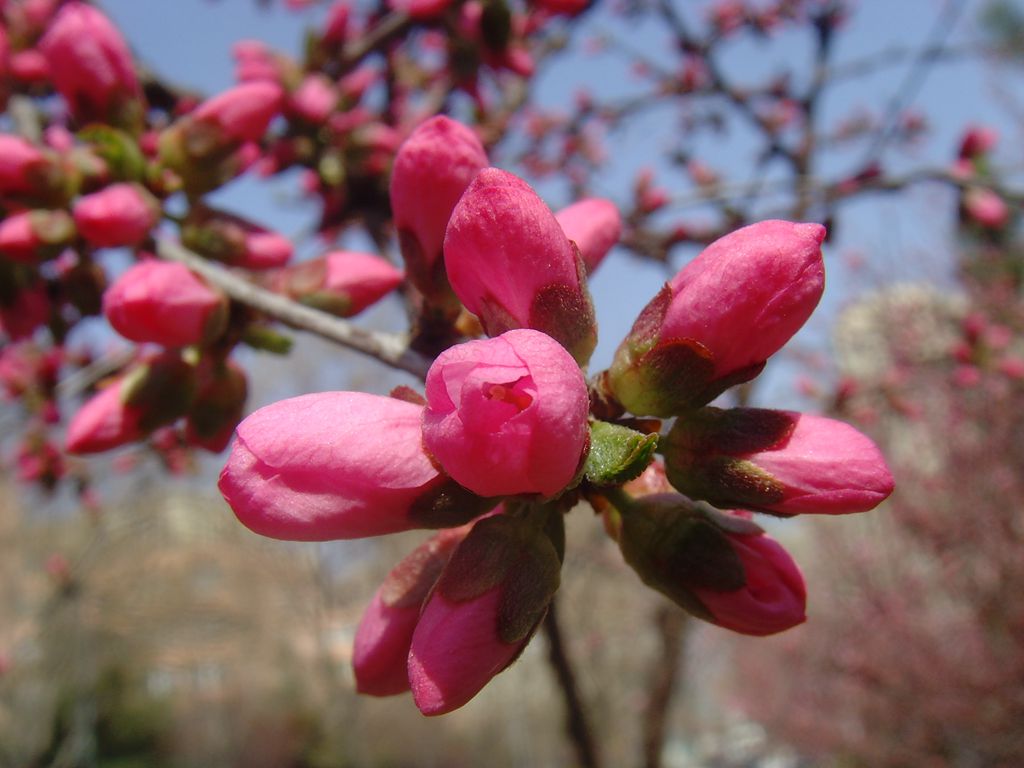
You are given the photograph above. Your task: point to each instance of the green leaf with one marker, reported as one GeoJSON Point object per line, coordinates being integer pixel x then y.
{"type": "Point", "coordinates": [617, 454]}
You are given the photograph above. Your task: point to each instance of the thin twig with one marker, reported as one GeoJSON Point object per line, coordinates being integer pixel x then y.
{"type": "Point", "coordinates": [575, 715]}
{"type": "Point", "coordinates": [390, 349]}
{"type": "Point", "coordinates": [387, 28]}
{"type": "Point", "coordinates": [666, 673]}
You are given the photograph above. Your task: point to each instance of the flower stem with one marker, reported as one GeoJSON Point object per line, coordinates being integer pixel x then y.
{"type": "Point", "coordinates": [576, 724]}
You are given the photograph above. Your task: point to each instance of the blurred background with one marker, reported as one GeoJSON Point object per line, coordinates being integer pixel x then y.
{"type": "Point", "coordinates": [141, 625]}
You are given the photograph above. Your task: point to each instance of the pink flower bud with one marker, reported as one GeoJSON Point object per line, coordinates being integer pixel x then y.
{"type": "Point", "coordinates": [254, 60]}
{"type": "Point", "coordinates": [29, 309]}
{"type": "Point", "coordinates": [90, 63]}
{"type": "Point", "coordinates": [507, 415]}
{"type": "Point", "coordinates": [164, 303]}
{"type": "Point", "coordinates": [490, 598]}
{"type": "Point", "coordinates": [511, 264]}
{"type": "Point", "coordinates": [30, 236]}
{"type": "Point", "coordinates": [118, 215]}
{"type": "Point", "coordinates": [343, 283]}
{"type": "Point", "coordinates": [314, 99]}
{"type": "Point", "coordinates": [564, 7]}
{"type": "Point", "coordinates": [381, 649]}
{"type": "Point", "coordinates": [977, 140]}
{"type": "Point", "coordinates": [986, 207]}
{"type": "Point", "coordinates": [781, 462]}
{"type": "Point", "coordinates": [242, 113]}
{"type": "Point", "coordinates": [421, 10]}
{"type": "Point", "coordinates": [234, 240]}
{"type": "Point", "coordinates": [594, 225]}
{"type": "Point", "coordinates": [30, 66]}
{"type": "Point", "coordinates": [720, 318]}
{"type": "Point", "coordinates": [432, 169]}
{"type": "Point", "coordinates": [337, 21]}
{"type": "Point", "coordinates": [104, 422]}
{"type": "Point", "coordinates": [265, 250]}
{"type": "Point", "coordinates": [774, 597]}
{"type": "Point", "coordinates": [336, 465]}
{"type": "Point", "coordinates": [20, 164]}
{"type": "Point", "coordinates": [154, 393]}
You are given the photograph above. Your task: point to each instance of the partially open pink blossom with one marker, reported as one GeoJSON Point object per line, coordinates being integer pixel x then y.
{"type": "Point", "coordinates": [165, 303]}
{"type": "Point", "coordinates": [380, 651]}
{"type": "Point", "coordinates": [118, 215]}
{"type": "Point", "coordinates": [507, 415]}
{"type": "Point", "coordinates": [774, 598]}
{"type": "Point", "coordinates": [718, 320]}
{"type": "Point", "coordinates": [432, 169]}
{"type": "Point", "coordinates": [511, 264]}
{"type": "Point", "coordinates": [242, 113]}
{"type": "Point", "coordinates": [90, 63]}
{"type": "Point", "coordinates": [782, 462]}
{"type": "Point", "coordinates": [334, 465]}
{"type": "Point", "coordinates": [343, 283]}
{"type": "Point", "coordinates": [595, 225]}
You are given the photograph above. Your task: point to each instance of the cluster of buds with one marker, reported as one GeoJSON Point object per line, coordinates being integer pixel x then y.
{"type": "Point", "coordinates": [508, 435]}
{"type": "Point", "coordinates": [99, 178]}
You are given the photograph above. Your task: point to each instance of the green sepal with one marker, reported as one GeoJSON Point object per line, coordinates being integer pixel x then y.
{"type": "Point", "coordinates": [162, 390]}
{"type": "Point", "coordinates": [407, 395]}
{"type": "Point", "coordinates": [483, 559]}
{"type": "Point", "coordinates": [726, 482]}
{"type": "Point", "coordinates": [118, 150]}
{"type": "Point", "coordinates": [512, 553]}
{"type": "Point", "coordinates": [531, 584]}
{"type": "Point", "coordinates": [667, 380]}
{"type": "Point", "coordinates": [496, 25]}
{"type": "Point", "coordinates": [617, 454]}
{"type": "Point", "coordinates": [332, 303]}
{"type": "Point", "coordinates": [331, 168]}
{"type": "Point", "coordinates": [218, 399]}
{"type": "Point", "coordinates": [704, 455]}
{"type": "Point", "coordinates": [566, 314]}
{"type": "Point", "coordinates": [444, 503]}
{"type": "Point", "coordinates": [54, 228]}
{"type": "Point", "coordinates": [266, 339]}
{"type": "Point", "coordinates": [732, 431]}
{"type": "Point", "coordinates": [409, 583]}
{"type": "Point", "coordinates": [729, 523]}
{"type": "Point", "coordinates": [675, 550]}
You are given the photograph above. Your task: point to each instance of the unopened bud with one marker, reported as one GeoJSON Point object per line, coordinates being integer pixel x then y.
{"type": "Point", "coordinates": [781, 462]}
